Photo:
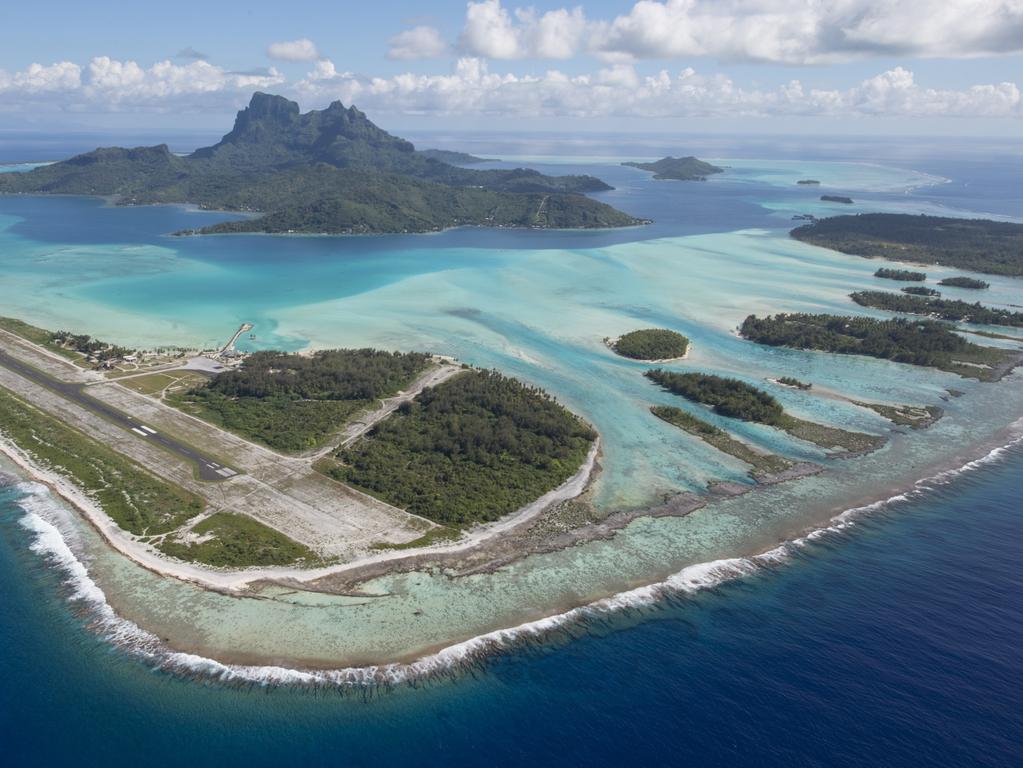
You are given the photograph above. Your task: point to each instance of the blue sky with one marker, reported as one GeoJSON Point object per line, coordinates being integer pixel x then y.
{"type": "Point", "coordinates": [951, 66]}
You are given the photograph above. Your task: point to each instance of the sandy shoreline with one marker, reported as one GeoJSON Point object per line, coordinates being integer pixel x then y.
{"type": "Point", "coordinates": [239, 581]}
{"type": "Point", "coordinates": [836, 517]}
{"type": "Point", "coordinates": [468, 650]}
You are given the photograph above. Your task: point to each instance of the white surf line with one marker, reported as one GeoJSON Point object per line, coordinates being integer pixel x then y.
{"type": "Point", "coordinates": [51, 542]}
{"type": "Point", "coordinates": [233, 581]}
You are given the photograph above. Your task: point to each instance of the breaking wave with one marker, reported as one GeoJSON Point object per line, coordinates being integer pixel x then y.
{"type": "Point", "coordinates": [51, 527]}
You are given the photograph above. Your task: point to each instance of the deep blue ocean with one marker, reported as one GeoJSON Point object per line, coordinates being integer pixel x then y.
{"type": "Point", "coordinates": [897, 642]}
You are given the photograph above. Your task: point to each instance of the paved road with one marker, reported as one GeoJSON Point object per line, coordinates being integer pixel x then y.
{"type": "Point", "coordinates": [209, 470]}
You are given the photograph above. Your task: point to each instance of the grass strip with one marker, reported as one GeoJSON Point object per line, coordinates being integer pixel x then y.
{"type": "Point", "coordinates": [135, 499]}
{"type": "Point", "coordinates": [227, 539]}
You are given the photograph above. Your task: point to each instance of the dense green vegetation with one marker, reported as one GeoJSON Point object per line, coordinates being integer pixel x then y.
{"type": "Point", "coordinates": [472, 449]}
{"type": "Point", "coordinates": [728, 397]}
{"type": "Point", "coordinates": [36, 335]}
{"type": "Point", "coordinates": [980, 245]}
{"type": "Point", "coordinates": [837, 199]}
{"type": "Point", "coordinates": [330, 170]}
{"type": "Point", "coordinates": [763, 464]}
{"type": "Point", "coordinates": [137, 501]}
{"type": "Point", "coordinates": [916, 342]}
{"type": "Point", "coordinates": [678, 168]}
{"type": "Point", "coordinates": [964, 282]}
{"type": "Point", "coordinates": [237, 541]}
{"type": "Point", "coordinates": [905, 275]}
{"type": "Point", "coordinates": [70, 345]}
{"type": "Point", "coordinates": [324, 199]}
{"type": "Point", "coordinates": [789, 381]}
{"type": "Point", "coordinates": [954, 310]}
{"type": "Point", "coordinates": [292, 402]}
{"type": "Point", "coordinates": [737, 399]}
{"type": "Point", "coordinates": [88, 346]}
{"type": "Point", "coordinates": [920, 290]}
{"type": "Point", "coordinates": [652, 344]}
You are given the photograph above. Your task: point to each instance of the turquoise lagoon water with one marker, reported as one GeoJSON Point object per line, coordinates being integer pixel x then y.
{"type": "Point", "coordinates": [893, 643]}
{"type": "Point", "coordinates": [536, 305]}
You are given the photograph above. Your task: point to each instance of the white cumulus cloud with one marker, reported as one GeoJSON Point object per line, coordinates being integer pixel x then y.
{"type": "Point", "coordinates": [781, 31]}
{"type": "Point", "coordinates": [110, 84]}
{"type": "Point", "coordinates": [619, 90]}
{"type": "Point", "coordinates": [472, 87]}
{"type": "Point", "coordinates": [422, 42]}
{"type": "Point", "coordinates": [302, 49]}
{"type": "Point", "coordinates": [37, 78]}
{"type": "Point", "coordinates": [490, 31]}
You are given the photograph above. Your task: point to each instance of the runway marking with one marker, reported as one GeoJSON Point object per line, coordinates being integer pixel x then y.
{"type": "Point", "coordinates": [139, 431]}
{"type": "Point", "coordinates": [150, 431]}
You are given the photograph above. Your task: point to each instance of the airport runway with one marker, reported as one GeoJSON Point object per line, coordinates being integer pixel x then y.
{"type": "Point", "coordinates": [209, 470]}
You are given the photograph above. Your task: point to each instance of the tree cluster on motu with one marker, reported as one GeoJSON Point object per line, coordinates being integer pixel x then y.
{"type": "Point", "coordinates": [954, 310]}
{"type": "Point", "coordinates": [981, 245]}
{"type": "Point", "coordinates": [472, 449]}
{"type": "Point", "coordinates": [918, 342]}
{"type": "Point", "coordinates": [334, 374]}
{"type": "Point", "coordinates": [728, 397]}
{"type": "Point", "coordinates": [965, 282]}
{"type": "Point", "coordinates": [86, 345]}
{"type": "Point", "coordinates": [905, 275]}
{"type": "Point", "coordinates": [292, 402]}
{"type": "Point", "coordinates": [652, 344]}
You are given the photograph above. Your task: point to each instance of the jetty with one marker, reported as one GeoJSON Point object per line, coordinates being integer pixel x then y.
{"type": "Point", "coordinates": [227, 349]}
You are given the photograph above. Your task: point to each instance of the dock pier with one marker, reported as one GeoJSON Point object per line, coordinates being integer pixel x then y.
{"type": "Point", "coordinates": [229, 347]}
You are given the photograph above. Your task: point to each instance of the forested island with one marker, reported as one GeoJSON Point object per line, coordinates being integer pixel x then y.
{"type": "Point", "coordinates": [326, 171]}
{"type": "Point", "coordinates": [652, 344]}
{"type": "Point", "coordinates": [837, 199]}
{"type": "Point", "coordinates": [790, 381]}
{"type": "Point", "coordinates": [475, 448]}
{"type": "Point", "coordinates": [678, 168]}
{"type": "Point", "coordinates": [738, 400]}
{"type": "Point", "coordinates": [808, 182]}
{"type": "Point", "coordinates": [965, 282]}
{"type": "Point", "coordinates": [903, 275]}
{"type": "Point", "coordinates": [954, 310]}
{"type": "Point", "coordinates": [995, 247]}
{"type": "Point", "coordinates": [292, 402]}
{"type": "Point", "coordinates": [727, 397]}
{"type": "Point", "coordinates": [920, 290]}
{"type": "Point", "coordinates": [916, 342]}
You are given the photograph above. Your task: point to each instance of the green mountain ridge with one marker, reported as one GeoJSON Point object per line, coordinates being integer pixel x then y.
{"type": "Point", "coordinates": [325, 171]}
